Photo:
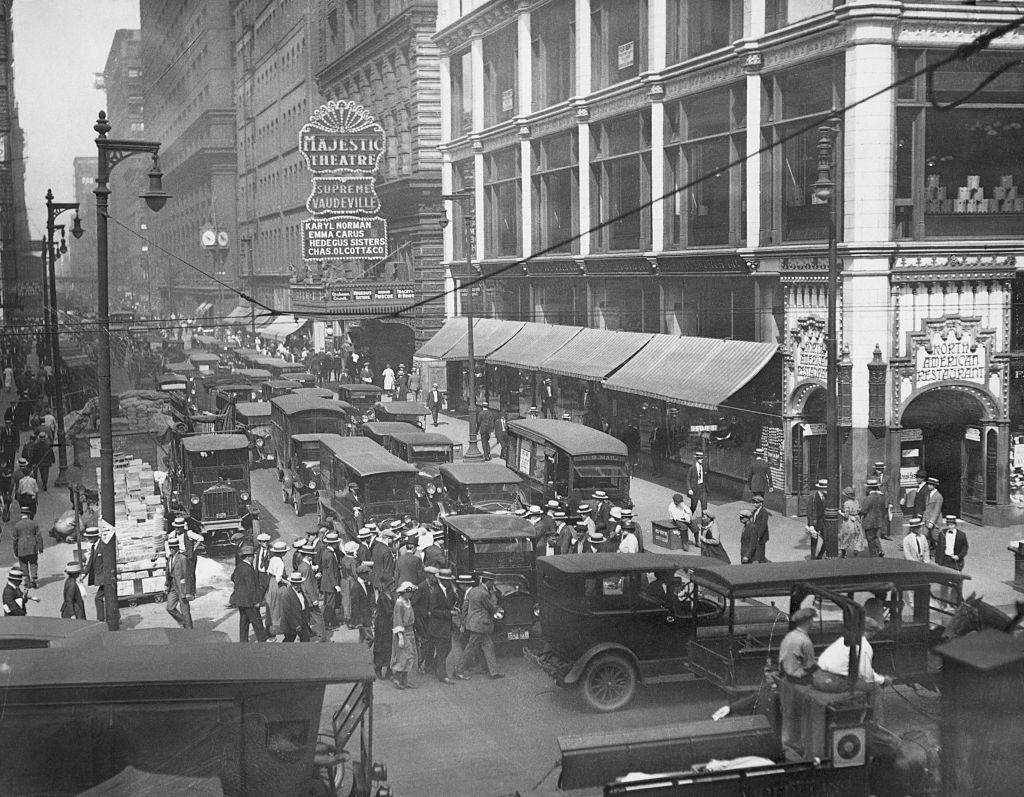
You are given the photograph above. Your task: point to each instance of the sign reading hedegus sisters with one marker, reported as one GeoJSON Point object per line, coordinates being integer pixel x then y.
{"type": "Point", "coordinates": [343, 144]}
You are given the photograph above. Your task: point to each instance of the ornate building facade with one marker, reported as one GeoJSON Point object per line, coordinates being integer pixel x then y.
{"type": "Point", "coordinates": [382, 56]}
{"type": "Point", "coordinates": [186, 52]}
{"type": "Point", "coordinates": [653, 163]}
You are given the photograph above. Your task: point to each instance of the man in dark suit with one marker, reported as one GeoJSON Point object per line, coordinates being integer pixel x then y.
{"type": "Point", "coordinates": [481, 606]}
{"type": "Point", "coordinates": [73, 605]}
{"type": "Point", "coordinates": [433, 604]}
{"type": "Point", "coordinates": [311, 592]}
{"type": "Point", "coordinates": [921, 495]}
{"type": "Point", "coordinates": [759, 529]}
{"type": "Point", "coordinates": [178, 605]}
{"type": "Point", "coordinates": [247, 596]}
{"type": "Point", "coordinates": [383, 559]}
{"type": "Point", "coordinates": [816, 518]}
{"type": "Point", "coordinates": [879, 474]}
{"type": "Point", "coordinates": [759, 474]}
{"type": "Point", "coordinates": [696, 483]}
{"type": "Point", "coordinates": [434, 401]}
{"type": "Point", "coordinates": [951, 548]}
{"type": "Point", "coordinates": [330, 581]}
{"type": "Point", "coordinates": [547, 399]}
{"type": "Point", "coordinates": [548, 523]}
{"type": "Point", "coordinates": [873, 511]}
{"type": "Point", "coordinates": [101, 573]}
{"type": "Point", "coordinates": [602, 510]}
{"type": "Point", "coordinates": [294, 611]}
{"type": "Point", "coordinates": [363, 599]}
{"type": "Point", "coordinates": [485, 427]}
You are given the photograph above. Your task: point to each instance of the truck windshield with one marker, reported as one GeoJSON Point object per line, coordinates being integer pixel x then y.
{"type": "Point", "coordinates": [502, 555]}
{"type": "Point", "coordinates": [388, 487]}
{"type": "Point", "coordinates": [431, 454]}
{"type": "Point", "coordinates": [491, 492]}
{"type": "Point", "coordinates": [598, 477]}
{"type": "Point", "coordinates": [233, 473]}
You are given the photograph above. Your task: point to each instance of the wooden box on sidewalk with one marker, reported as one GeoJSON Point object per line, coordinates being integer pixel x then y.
{"type": "Point", "coordinates": [665, 535]}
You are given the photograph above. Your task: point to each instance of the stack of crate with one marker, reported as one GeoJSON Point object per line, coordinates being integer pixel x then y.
{"type": "Point", "coordinates": [133, 490]}
{"type": "Point", "coordinates": [141, 559]}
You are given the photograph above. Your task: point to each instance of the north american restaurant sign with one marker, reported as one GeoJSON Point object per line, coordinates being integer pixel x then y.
{"type": "Point", "coordinates": [342, 145]}
{"type": "Point", "coordinates": [950, 357]}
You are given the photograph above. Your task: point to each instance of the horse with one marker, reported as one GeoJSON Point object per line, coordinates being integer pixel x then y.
{"type": "Point", "coordinates": [973, 614]}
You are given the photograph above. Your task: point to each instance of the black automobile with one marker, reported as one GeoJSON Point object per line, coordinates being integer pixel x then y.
{"type": "Point", "coordinates": [252, 418]}
{"type": "Point", "coordinates": [464, 488]}
{"type": "Point", "coordinates": [301, 469]}
{"type": "Point", "coordinates": [503, 545]}
{"type": "Point", "coordinates": [611, 621]}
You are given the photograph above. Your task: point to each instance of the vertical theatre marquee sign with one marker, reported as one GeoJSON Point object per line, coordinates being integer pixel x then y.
{"type": "Point", "coordinates": [343, 145]}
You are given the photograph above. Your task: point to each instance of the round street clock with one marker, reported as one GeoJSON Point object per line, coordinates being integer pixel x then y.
{"type": "Point", "coordinates": [222, 238]}
{"type": "Point", "coordinates": [209, 237]}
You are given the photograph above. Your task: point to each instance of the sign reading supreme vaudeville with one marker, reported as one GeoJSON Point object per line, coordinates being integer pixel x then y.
{"type": "Point", "coordinates": [343, 145]}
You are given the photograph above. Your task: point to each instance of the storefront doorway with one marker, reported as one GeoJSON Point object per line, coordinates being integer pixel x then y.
{"type": "Point", "coordinates": [952, 448]}
{"type": "Point", "coordinates": [810, 462]}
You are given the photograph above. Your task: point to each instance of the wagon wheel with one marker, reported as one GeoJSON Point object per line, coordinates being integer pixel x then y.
{"type": "Point", "coordinates": [133, 602]}
{"type": "Point", "coordinates": [609, 682]}
{"type": "Point", "coordinates": [160, 597]}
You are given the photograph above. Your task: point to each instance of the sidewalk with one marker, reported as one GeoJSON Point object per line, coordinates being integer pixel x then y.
{"type": "Point", "coordinates": [989, 563]}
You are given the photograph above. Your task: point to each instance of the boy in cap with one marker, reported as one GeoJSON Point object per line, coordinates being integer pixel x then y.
{"type": "Point", "coordinates": [73, 605]}
{"type": "Point", "coordinates": [247, 596]}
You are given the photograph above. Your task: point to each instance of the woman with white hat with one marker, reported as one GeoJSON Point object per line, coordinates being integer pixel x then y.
{"type": "Point", "coordinates": [403, 649]}
{"type": "Point", "coordinates": [74, 604]}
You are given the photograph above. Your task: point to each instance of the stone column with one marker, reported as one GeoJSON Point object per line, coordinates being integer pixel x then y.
{"type": "Point", "coordinates": [657, 94]}
{"type": "Point", "coordinates": [753, 28]}
{"type": "Point", "coordinates": [444, 76]}
{"type": "Point", "coordinates": [583, 129]}
{"type": "Point", "coordinates": [524, 79]}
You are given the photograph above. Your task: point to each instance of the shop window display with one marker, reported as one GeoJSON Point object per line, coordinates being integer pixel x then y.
{"type": "Point", "coordinates": [958, 171]}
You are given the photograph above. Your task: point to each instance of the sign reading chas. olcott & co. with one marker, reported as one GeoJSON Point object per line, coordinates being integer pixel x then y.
{"type": "Point", "coordinates": [343, 145]}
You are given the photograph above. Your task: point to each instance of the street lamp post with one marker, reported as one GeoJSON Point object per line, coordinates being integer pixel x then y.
{"type": "Point", "coordinates": [826, 190]}
{"type": "Point", "coordinates": [472, 453]}
{"type": "Point", "coordinates": [53, 210]}
{"type": "Point", "coordinates": [111, 152]}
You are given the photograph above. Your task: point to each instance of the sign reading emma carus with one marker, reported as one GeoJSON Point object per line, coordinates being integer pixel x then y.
{"type": "Point", "coordinates": [343, 145]}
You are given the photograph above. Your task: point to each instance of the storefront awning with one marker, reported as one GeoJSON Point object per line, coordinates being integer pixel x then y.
{"type": "Point", "coordinates": [239, 316]}
{"type": "Point", "coordinates": [594, 353]}
{"type": "Point", "coordinates": [281, 327]}
{"type": "Point", "coordinates": [447, 336]}
{"type": "Point", "coordinates": [532, 344]}
{"type": "Point", "coordinates": [488, 335]}
{"type": "Point", "coordinates": [201, 309]}
{"type": "Point", "coordinates": [697, 372]}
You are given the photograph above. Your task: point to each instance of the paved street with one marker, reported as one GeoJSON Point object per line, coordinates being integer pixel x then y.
{"type": "Point", "coordinates": [491, 737]}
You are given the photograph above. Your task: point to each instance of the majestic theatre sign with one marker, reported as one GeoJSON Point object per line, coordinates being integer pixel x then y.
{"type": "Point", "coordinates": [343, 145]}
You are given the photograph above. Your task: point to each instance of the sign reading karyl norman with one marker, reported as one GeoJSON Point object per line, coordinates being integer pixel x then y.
{"type": "Point", "coordinates": [343, 145]}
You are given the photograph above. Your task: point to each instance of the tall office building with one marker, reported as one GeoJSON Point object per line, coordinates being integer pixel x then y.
{"type": "Point", "coordinates": [186, 53]}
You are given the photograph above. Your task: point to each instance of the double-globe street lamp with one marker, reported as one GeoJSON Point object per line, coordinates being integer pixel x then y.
{"type": "Point", "coordinates": [111, 152]}
{"type": "Point", "coordinates": [51, 253]}
{"type": "Point", "coordinates": [826, 191]}
{"type": "Point", "coordinates": [472, 453]}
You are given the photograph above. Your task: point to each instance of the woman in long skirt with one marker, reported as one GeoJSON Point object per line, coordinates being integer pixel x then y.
{"type": "Point", "coordinates": [382, 625]}
{"type": "Point", "coordinates": [403, 646]}
{"type": "Point", "coordinates": [710, 540]}
{"type": "Point", "coordinates": [852, 540]}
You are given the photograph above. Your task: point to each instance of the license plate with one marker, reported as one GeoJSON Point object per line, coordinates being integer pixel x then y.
{"type": "Point", "coordinates": [524, 634]}
{"type": "Point", "coordinates": [270, 457]}
{"type": "Point", "coordinates": [221, 515]}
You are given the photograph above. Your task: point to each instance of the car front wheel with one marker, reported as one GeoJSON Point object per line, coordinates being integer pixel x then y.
{"type": "Point", "coordinates": [609, 682]}
{"type": "Point", "coordinates": [297, 504]}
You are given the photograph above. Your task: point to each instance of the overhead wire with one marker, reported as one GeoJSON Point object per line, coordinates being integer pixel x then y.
{"type": "Point", "coordinates": [963, 52]}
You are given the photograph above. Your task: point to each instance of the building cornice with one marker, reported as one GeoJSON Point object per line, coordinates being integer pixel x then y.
{"type": "Point", "coordinates": [478, 22]}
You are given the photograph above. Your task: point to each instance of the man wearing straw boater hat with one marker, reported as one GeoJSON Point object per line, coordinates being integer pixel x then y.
{"type": "Point", "coordinates": [434, 604]}
{"type": "Point", "coordinates": [74, 604]}
{"type": "Point", "coordinates": [178, 605]}
{"type": "Point", "coordinates": [14, 597]}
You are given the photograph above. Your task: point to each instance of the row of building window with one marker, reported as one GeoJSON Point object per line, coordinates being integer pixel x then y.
{"type": "Point", "coordinates": [957, 173]}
